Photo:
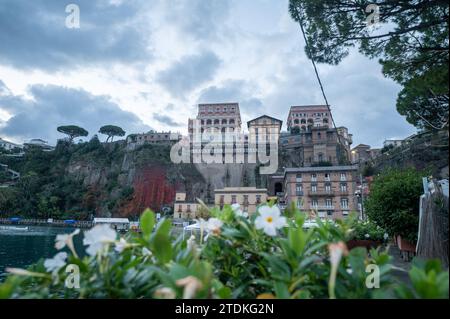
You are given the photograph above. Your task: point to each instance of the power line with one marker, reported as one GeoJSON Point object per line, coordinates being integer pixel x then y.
{"type": "Point", "coordinates": [300, 22]}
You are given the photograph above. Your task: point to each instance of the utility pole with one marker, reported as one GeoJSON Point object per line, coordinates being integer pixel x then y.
{"type": "Point", "coordinates": [362, 196]}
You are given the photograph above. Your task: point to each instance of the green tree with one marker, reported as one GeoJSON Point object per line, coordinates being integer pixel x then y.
{"type": "Point", "coordinates": [111, 131]}
{"type": "Point", "coordinates": [72, 131]}
{"type": "Point", "coordinates": [409, 37]}
{"type": "Point", "coordinates": [393, 202]}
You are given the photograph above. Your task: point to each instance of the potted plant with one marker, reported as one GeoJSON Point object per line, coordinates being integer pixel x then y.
{"type": "Point", "coordinates": [366, 234]}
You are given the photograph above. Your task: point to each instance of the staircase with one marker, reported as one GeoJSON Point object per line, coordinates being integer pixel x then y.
{"type": "Point", "coordinates": [14, 175]}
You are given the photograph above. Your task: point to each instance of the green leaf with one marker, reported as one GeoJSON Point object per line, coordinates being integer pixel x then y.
{"type": "Point", "coordinates": [162, 247]}
{"type": "Point", "coordinates": [147, 222]}
{"type": "Point", "coordinates": [281, 290]}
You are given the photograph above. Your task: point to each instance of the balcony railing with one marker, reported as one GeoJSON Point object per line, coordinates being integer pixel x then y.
{"type": "Point", "coordinates": [322, 193]}
{"type": "Point", "coordinates": [321, 207]}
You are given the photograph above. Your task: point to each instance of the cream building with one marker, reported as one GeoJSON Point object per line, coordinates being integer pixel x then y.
{"type": "Point", "coordinates": [248, 197]}
{"type": "Point", "coordinates": [265, 126]}
{"type": "Point", "coordinates": [183, 209]}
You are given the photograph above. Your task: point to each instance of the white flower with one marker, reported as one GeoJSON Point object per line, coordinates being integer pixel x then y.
{"type": "Point", "coordinates": [191, 285]}
{"type": "Point", "coordinates": [97, 238]}
{"type": "Point", "coordinates": [213, 226]}
{"type": "Point", "coordinates": [386, 236]}
{"type": "Point", "coordinates": [238, 211]}
{"type": "Point", "coordinates": [191, 243]}
{"type": "Point", "coordinates": [121, 245]}
{"type": "Point", "coordinates": [270, 220]}
{"type": "Point", "coordinates": [367, 235]}
{"type": "Point", "coordinates": [56, 263]}
{"type": "Point", "coordinates": [146, 252]}
{"type": "Point", "coordinates": [64, 240]}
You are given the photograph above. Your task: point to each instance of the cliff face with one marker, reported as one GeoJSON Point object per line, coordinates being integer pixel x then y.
{"type": "Point", "coordinates": [116, 179]}
{"type": "Point", "coordinates": [426, 151]}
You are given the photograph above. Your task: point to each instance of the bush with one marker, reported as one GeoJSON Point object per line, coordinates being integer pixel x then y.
{"type": "Point", "coordinates": [367, 230]}
{"type": "Point", "coordinates": [264, 256]}
{"type": "Point", "coordinates": [393, 202]}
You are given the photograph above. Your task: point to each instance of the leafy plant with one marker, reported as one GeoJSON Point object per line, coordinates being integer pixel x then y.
{"type": "Point", "coordinates": [393, 202]}
{"type": "Point", "coordinates": [266, 255]}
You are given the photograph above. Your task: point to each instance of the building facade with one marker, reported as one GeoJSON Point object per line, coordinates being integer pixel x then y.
{"type": "Point", "coordinates": [38, 143]}
{"type": "Point", "coordinates": [328, 191]}
{"type": "Point", "coordinates": [312, 135]}
{"type": "Point", "coordinates": [217, 117]}
{"type": "Point", "coordinates": [183, 209]}
{"type": "Point", "coordinates": [9, 146]}
{"type": "Point", "coordinates": [248, 197]}
{"type": "Point", "coordinates": [265, 125]}
{"type": "Point", "coordinates": [363, 153]}
{"type": "Point", "coordinates": [153, 137]}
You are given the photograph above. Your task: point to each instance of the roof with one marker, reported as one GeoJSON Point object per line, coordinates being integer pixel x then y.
{"type": "Point", "coordinates": [361, 145]}
{"type": "Point", "coordinates": [111, 220]}
{"type": "Point", "coordinates": [270, 117]}
{"type": "Point", "coordinates": [321, 169]}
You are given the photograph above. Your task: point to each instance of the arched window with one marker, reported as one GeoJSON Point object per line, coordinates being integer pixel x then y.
{"type": "Point", "coordinates": [224, 121]}
{"type": "Point", "coordinates": [310, 121]}
{"type": "Point", "coordinates": [216, 122]}
{"type": "Point", "coordinates": [303, 121]}
{"type": "Point", "coordinates": [325, 121]}
{"type": "Point", "coordinates": [203, 122]}
{"type": "Point", "coordinates": [208, 122]}
{"type": "Point", "coordinates": [232, 121]}
{"type": "Point", "coordinates": [296, 121]}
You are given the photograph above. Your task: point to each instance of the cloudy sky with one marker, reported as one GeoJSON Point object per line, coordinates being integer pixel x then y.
{"type": "Point", "coordinates": [145, 64]}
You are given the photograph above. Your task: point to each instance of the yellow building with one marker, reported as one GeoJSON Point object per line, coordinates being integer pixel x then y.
{"type": "Point", "coordinates": [248, 197]}
{"type": "Point", "coordinates": [183, 209]}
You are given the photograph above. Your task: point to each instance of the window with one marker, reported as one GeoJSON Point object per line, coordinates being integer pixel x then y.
{"type": "Point", "coordinates": [222, 199]}
{"type": "Point", "coordinates": [299, 189]}
{"type": "Point", "coordinates": [233, 199]}
{"type": "Point", "coordinates": [328, 188]}
{"type": "Point", "coordinates": [314, 203]}
{"type": "Point", "coordinates": [258, 199]}
{"type": "Point", "coordinates": [327, 177]}
{"type": "Point", "coordinates": [299, 177]}
{"type": "Point", "coordinates": [343, 187]}
{"type": "Point", "coordinates": [344, 203]}
{"type": "Point", "coordinates": [343, 177]}
{"type": "Point", "coordinates": [314, 177]}
{"type": "Point", "coordinates": [313, 188]}
{"type": "Point", "coordinates": [328, 202]}
{"type": "Point", "coordinates": [245, 200]}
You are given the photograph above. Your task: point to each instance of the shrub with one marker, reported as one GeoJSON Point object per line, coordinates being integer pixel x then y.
{"type": "Point", "coordinates": [393, 202]}
{"type": "Point", "coordinates": [264, 256]}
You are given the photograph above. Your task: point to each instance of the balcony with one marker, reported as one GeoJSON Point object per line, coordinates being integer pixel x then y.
{"type": "Point", "coordinates": [322, 193]}
{"type": "Point", "coordinates": [321, 207]}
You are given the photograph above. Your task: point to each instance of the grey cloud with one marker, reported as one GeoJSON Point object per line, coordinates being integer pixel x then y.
{"type": "Point", "coordinates": [53, 106]}
{"type": "Point", "coordinates": [199, 18]}
{"type": "Point", "coordinates": [33, 34]}
{"type": "Point", "coordinates": [189, 72]}
{"type": "Point", "coordinates": [167, 120]}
